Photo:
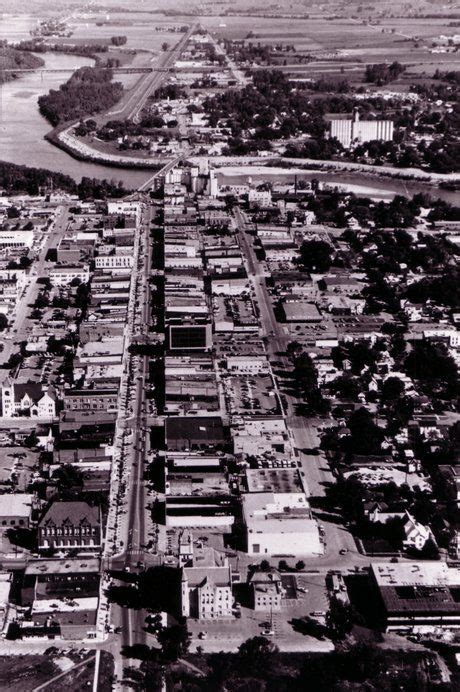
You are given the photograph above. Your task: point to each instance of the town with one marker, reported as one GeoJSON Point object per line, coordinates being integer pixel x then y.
{"type": "Point", "coordinates": [229, 426]}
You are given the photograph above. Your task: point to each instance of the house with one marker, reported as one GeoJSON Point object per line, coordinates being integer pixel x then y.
{"type": "Point", "coordinates": [70, 526]}
{"type": "Point", "coordinates": [28, 399]}
{"type": "Point", "coordinates": [266, 590]}
{"type": "Point", "coordinates": [416, 534]}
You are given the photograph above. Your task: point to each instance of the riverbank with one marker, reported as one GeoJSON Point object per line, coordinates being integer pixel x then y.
{"type": "Point", "coordinates": [415, 174]}
{"type": "Point", "coordinates": [12, 59]}
{"type": "Point", "coordinates": [62, 138]}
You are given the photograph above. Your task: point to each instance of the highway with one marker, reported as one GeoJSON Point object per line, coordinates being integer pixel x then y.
{"type": "Point", "coordinates": [135, 101]}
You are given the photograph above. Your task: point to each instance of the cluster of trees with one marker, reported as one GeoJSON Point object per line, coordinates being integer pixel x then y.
{"type": "Point", "coordinates": [321, 148]}
{"type": "Point", "coordinates": [170, 91]}
{"type": "Point", "coordinates": [334, 207]}
{"type": "Point", "coordinates": [86, 50]}
{"type": "Point", "coordinates": [271, 106]}
{"type": "Point", "coordinates": [16, 179]}
{"type": "Point", "coordinates": [442, 290]}
{"type": "Point", "coordinates": [118, 40]}
{"type": "Point", "coordinates": [259, 665]}
{"type": "Point", "coordinates": [382, 73]}
{"type": "Point", "coordinates": [431, 365]}
{"type": "Point", "coordinates": [258, 54]}
{"type": "Point", "coordinates": [316, 255]}
{"type": "Point", "coordinates": [114, 129]}
{"type": "Point", "coordinates": [14, 59]}
{"type": "Point", "coordinates": [89, 90]}
{"type": "Point", "coordinates": [305, 378]}
{"type": "Point", "coordinates": [441, 155]}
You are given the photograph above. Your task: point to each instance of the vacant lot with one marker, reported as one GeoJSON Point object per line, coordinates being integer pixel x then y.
{"type": "Point", "coordinates": [24, 673]}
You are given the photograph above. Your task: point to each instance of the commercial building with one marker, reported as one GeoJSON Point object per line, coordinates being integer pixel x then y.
{"type": "Point", "coordinates": [16, 510]}
{"type": "Point", "coordinates": [70, 526]}
{"type": "Point", "coordinates": [280, 525]}
{"type": "Point", "coordinates": [186, 433]}
{"type": "Point", "coordinates": [265, 590]}
{"type": "Point", "coordinates": [63, 276]}
{"type": "Point", "coordinates": [62, 597]}
{"type": "Point", "coordinates": [16, 239]}
{"type": "Point", "coordinates": [417, 596]}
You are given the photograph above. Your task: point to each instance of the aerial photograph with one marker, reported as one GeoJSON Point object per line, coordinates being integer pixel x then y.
{"type": "Point", "coordinates": [230, 346]}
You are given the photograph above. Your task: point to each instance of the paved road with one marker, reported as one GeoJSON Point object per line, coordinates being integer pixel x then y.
{"type": "Point", "coordinates": [163, 171]}
{"type": "Point", "coordinates": [304, 430]}
{"type": "Point", "coordinates": [130, 107]}
{"type": "Point", "coordinates": [20, 326]}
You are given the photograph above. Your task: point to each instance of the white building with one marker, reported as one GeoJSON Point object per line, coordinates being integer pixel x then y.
{"type": "Point", "coordinates": [260, 197]}
{"type": "Point", "coordinates": [18, 239]}
{"type": "Point", "coordinates": [354, 130]}
{"type": "Point", "coordinates": [206, 581]}
{"type": "Point", "coordinates": [27, 399]}
{"type": "Point", "coordinates": [417, 535]}
{"type": "Point", "coordinates": [114, 262]}
{"type": "Point", "coordinates": [62, 276]}
{"type": "Point", "coordinates": [280, 524]}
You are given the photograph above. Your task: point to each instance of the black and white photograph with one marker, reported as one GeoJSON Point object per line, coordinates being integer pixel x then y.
{"type": "Point", "coordinates": [229, 346]}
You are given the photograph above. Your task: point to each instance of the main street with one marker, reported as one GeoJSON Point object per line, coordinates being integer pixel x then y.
{"type": "Point", "coordinates": [127, 524]}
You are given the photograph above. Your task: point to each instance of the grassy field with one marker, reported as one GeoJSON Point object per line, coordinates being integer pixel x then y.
{"type": "Point", "coordinates": [81, 679]}
{"type": "Point", "coordinates": [24, 673]}
{"type": "Point", "coordinates": [339, 46]}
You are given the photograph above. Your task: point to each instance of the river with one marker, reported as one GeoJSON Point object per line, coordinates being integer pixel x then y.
{"type": "Point", "coordinates": [22, 128]}
{"type": "Point", "coordinates": [22, 131]}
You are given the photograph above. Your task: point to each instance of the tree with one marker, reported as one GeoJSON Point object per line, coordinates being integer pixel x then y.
{"type": "Point", "coordinates": [316, 255]}
{"type": "Point", "coordinates": [392, 389]}
{"type": "Point", "coordinates": [300, 565]}
{"type": "Point", "coordinates": [31, 440]}
{"type": "Point", "coordinates": [339, 619]}
{"type": "Point", "coordinates": [366, 436]}
{"type": "Point", "coordinates": [434, 368]}
{"type": "Point", "coordinates": [13, 212]}
{"type": "Point", "coordinates": [164, 46]}
{"type": "Point", "coordinates": [174, 641]}
{"type": "Point", "coordinates": [257, 656]}
{"type": "Point", "coordinates": [69, 480]}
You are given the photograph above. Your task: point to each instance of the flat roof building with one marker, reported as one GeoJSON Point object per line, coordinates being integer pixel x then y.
{"type": "Point", "coordinates": [417, 596]}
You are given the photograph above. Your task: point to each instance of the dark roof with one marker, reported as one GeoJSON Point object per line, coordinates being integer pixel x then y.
{"type": "Point", "coordinates": [198, 429]}
{"type": "Point", "coordinates": [74, 513]}
{"type": "Point", "coordinates": [34, 390]}
{"type": "Point", "coordinates": [432, 600]}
